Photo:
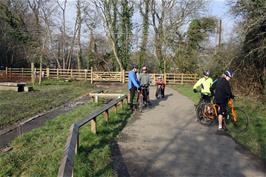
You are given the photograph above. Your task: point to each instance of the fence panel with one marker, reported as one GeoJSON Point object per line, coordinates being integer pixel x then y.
{"type": "Point", "coordinates": [107, 76]}
{"type": "Point", "coordinates": [24, 74]}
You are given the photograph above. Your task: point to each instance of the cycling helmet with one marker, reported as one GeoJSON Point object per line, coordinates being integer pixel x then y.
{"type": "Point", "coordinates": [206, 73]}
{"type": "Point", "coordinates": [229, 73]}
{"type": "Point", "coordinates": [135, 66]}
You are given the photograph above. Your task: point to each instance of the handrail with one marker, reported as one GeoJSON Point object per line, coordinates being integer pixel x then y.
{"type": "Point", "coordinates": [100, 111]}
{"type": "Point", "coordinates": [67, 162]}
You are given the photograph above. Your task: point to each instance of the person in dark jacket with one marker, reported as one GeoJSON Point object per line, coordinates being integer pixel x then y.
{"type": "Point", "coordinates": [222, 92]}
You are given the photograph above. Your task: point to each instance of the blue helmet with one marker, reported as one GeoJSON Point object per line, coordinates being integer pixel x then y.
{"type": "Point", "coordinates": [206, 73]}
{"type": "Point", "coordinates": [229, 73]}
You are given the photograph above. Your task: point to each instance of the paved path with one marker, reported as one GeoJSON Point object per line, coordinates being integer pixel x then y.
{"type": "Point", "coordinates": [166, 141]}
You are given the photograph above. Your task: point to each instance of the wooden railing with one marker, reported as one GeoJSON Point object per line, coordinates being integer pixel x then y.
{"type": "Point", "coordinates": [71, 147]}
{"type": "Point", "coordinates": [90, 75]}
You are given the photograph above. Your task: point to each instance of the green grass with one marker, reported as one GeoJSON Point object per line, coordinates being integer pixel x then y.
{"type": "Point", "coordinates": [187, 90]}
{"type": "Point", "coordinates": [16, 106]}
{"type": "Point", "coordinates": [254, 138]}
{"type": "Point", "coordinates": [39, 152]}
{"type": "Point", "coordinates": [94, 158]}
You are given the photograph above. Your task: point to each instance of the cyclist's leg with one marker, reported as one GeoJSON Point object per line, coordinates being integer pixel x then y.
{"type": "Point", "coordinates": [157, 91]}
{"type": "Point", "coordinates": [132, 96]}
{"type": "Point", "coordinates": [221, 115]}
{"type": "Point", "coordinates": [163, 90]}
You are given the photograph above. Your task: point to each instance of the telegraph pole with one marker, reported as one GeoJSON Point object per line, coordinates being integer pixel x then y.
{"type": "Point", "coordinates": [218, 40]}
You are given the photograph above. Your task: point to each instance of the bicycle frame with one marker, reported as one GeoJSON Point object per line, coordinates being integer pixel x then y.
{"type": "Point", "coordinates": [142, 97]}
{"type": "Point", "coordinates": [216, 108]}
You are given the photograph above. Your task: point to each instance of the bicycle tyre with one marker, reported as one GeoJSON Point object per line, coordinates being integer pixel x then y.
{"type": "Point", "coordinates": [140, 103]}
{"type": "Point", "coordinates": [242, 121]}
{"type": "Point", "coordinates": [201, 118]}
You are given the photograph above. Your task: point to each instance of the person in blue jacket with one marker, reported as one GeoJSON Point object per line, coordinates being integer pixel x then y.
{"type": "Point", "coordinates": [133, 84]}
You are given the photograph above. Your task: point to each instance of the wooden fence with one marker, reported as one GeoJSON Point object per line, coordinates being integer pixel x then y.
{"type": "Point", "coordinates": [71, 147]}
{"type": "Point", "coordinates": [27, 74]}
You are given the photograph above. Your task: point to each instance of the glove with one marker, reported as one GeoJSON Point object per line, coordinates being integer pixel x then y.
{"type": "Point", "coordinates": [195, 90]}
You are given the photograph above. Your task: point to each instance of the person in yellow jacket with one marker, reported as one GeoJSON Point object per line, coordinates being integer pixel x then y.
{"type": "Point", "coordinates": [203, 85]}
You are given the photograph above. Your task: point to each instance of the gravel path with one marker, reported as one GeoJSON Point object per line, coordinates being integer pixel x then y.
{"type": "Point", "coordinates": [166, 141]}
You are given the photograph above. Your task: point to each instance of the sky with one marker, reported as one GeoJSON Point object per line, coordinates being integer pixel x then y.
{"type": "Point", "coordinates": [220, 9]}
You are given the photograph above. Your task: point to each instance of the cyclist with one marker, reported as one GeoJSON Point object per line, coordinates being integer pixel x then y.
{"type": "Point", "coordinates": [204, 84]}
{"type": "Point", "coordinates": [133, 85]}
{"type": "Point", "coordinates": [144, 79]}
{"type": "Point", "coordinates": [222, 93]}
{"type": "Point", "coordinates": [160, 85]}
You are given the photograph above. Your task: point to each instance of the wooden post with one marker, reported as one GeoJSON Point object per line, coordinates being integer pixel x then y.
{"type": "Point", "coordinates": [71, 74]}
{"type": "Point", "coordinates": [154, 79]}
{"type": "Point", "coordinates": [165, 78]}
{"type": "Point", "coordinates": [22, 73]}
{"type": "Point", "coordinates": [57, 73]}
{"type": "Point", "coordinates": [77, 145]}
{"type": "Point", "coordinates": [32, 73]}
{"type": "Point", "coordinates": [115, 108]}
{"type": "Point", "coordinates": [48, 73]}
{"type": "Point", "coordinates": [128, 97]}
{"type": "Point", "coordinates": [85, 70]}
{"type": "Point", "coordinates": [10, 73]}
{"type": "Point", "coordinates": [121, 104]}
{"type": "Point", "coordinates": [6, 72]}
{"type": "Point", "coordinates": [195, 78]}
{"type": "Point", "coordinates": [174, 78]}
{"type": "Point", "coordinates": [91, 75]}
{"type": "Point", "coordinates": [123, 76]}
{"type": "Point", "coordinates": [96, 98]}
{"type": "Point", "coordinates": [106, 116]}
{"type": "Point", "coordinates": [182, 78]}
{"type": "Point", "coordinates": [93, 126]}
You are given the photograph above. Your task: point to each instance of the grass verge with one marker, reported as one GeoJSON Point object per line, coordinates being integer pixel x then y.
{"type": "Point", "coordinates": [16, 106]}
{"type": "Point", "coordinates": [254, 138]}
{"type": "Point", "coordinates": [187, 91]}
{"type": "Point", "coordinates": [39, 152]}
{"type": "Point", "coordinates": [94, 157]}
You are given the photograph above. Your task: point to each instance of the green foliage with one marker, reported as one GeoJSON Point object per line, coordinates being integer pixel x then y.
{"type": "Point", "coordinates": [199, 29]}
{"type": "Point", "coordinates": [252, 61]}
{"type": "Point", "coordinates": [124, 45]}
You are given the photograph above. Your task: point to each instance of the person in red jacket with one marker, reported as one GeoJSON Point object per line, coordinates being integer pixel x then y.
{"type": "Point", "coordinates": [160, 87]}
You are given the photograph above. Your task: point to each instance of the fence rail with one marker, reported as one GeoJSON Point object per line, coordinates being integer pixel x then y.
{"type": "Point", "coordinates": [71, 147]}
{"type": "Point", "coordinates": [27, 74]}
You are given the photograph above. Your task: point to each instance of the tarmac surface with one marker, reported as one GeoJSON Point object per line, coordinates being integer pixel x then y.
{"type": "Point", "coordinates": [165, 140]}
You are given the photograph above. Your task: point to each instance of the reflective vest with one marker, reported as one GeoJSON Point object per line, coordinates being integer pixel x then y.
{"type": "Point", "coordinates": [204, 84]}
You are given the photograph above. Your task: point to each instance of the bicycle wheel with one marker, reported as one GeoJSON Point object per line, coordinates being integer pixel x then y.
{"type": "Point", "coordinates": [140, 103]}
{"type": "Point", "coordinates": [200, 116]}
{"type": "Point", "coordinates": [242, 121]}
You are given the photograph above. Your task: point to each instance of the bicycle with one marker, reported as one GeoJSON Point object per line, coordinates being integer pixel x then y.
{"type": "Point", "coordinates": [143, 97]}
{"type": "Point", "coordinates": [159, 92]}
{"type": "Point", "coordinates": [236, 119]}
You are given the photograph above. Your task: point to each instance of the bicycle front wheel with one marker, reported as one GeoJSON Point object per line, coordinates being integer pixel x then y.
{"type": "Point", "coordinates": [242, 121]}
{"type": "Point", "coordinates": [200, 116]}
